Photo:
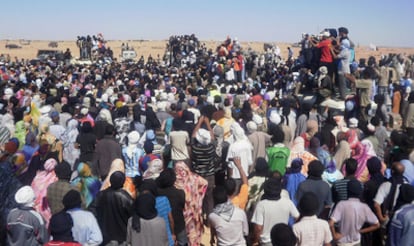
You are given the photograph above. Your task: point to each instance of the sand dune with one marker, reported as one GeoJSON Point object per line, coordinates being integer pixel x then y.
{"type": "Point", "coordinates": [157, 47]}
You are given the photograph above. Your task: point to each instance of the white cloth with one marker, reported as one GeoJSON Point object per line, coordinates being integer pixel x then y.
{"type": "Point", "coordinates": [57, 131]}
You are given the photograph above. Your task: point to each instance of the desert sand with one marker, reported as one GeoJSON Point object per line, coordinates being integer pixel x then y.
{"type": "Point", "coordinates": [157, 47]}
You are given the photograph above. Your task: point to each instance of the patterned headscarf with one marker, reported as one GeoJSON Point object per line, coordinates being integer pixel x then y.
{"type": "Point", "coordinates": [19, 163]}
{"type": "Point", "coordinates": [88, 184]}
{"type": "Point", "coordinates": [195, 188]}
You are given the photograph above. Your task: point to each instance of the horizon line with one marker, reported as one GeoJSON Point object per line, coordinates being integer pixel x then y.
{"type": "Point", "coordinates": [201, 40]}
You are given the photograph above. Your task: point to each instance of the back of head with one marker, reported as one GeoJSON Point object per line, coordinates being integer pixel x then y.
{"type": "Point", "coordinates": [167, 178]}
{"type": "Point", "coordinates": [219, 195]}
{"type": "Point", "coordinates": [148, 146]}
{"type": "Point", "coordinates": [397, 138]}
{"type": "Point", "coordinates": [278, 136]}
{"type": "Point", "coordinates": [343, 30]}
{"type": "Point", "coordinates": [406, 194]}
{"type": "Point", "coordinates": [354, 188]}
{"type": "Point", "coordinates": [315, 169]}
{"type": "Point", "coordinates": [145, 206]}
{"type": "Point", "coordinates": [272, 188]}
{"type": "Point", "coordinates": [61, 227]}
{"type": "Point", "coordinates": [72, 199]}
{"type": "Point", "coordinates": [261, 168]}
{"type": "Point", "coordinates": [375, 121]}
{"type": "Point", "coordinates": [296, 165]}
{"type": "Point", "coordinates": [86, 127]}
{"type": "Point", "coordinates": [350, 166]}
{"type": "Point", "coordinates": [117, 180]}
{"type": "Point", "coordinates": [123, 111]}
{"type": "Point", "coordinates": [150, 186]}
{"type": "Point", "coordinates": [109, 129]}
{"type": "Point", "coordinates": [397, 169]}
{"type": "Point", "coordinates": [230, 186]}
{"type": "Point", "coordinates": [374, 165]}
{"type": "Point", "coordinates": [178, 124]}
{"type": "Point", "coordinates": [282, 235]}
{"type": "Point", "coordinates": [308, 204]}
{"type": "Point", "coordinates": [63, 171]}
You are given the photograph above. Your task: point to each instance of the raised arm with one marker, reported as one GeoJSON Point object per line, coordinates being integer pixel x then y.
{"type": "Point", "coordinates": [197, 127]}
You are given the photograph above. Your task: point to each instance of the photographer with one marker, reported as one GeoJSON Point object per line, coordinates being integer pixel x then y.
{"type": "Point", "coordinates": [325, 46]}
{"type": "Point", "coordinates": [364, 86]}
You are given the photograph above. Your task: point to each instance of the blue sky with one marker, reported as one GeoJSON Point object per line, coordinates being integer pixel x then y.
{"type": "Point", "coordinates": [382, 22]}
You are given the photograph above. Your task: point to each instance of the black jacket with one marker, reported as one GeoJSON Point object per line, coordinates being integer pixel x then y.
{"type": "Point", "coordinates": [113, 208]}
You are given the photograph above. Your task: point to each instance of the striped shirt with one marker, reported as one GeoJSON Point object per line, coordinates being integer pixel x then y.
{"type": "Point", "coordinates": [4, 135]}
{"type": "Point", "coordinates": [340, 190]}
{"type": "Point", "coordinates": [202, 157]}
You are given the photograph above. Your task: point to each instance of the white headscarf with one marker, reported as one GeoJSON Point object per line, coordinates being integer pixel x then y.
{"type": "Point", "coordinates": [238, 132]}
{"type": "Point", "coordinates": [25, 196]}
{"type": "Point", "coordinates": [105, 115]}
{"type": "Point", "coordinates": [133, 139]}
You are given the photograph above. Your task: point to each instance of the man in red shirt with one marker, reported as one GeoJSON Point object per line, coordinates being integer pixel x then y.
{"type": "Point", "coordinates": [326, 58]}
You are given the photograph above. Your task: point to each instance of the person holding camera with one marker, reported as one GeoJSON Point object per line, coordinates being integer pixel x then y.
{"type": "Point", "coordinates": [325, 46]}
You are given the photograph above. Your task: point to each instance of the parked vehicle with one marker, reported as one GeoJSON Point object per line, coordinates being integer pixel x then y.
{"type": "Point", "coordinates": [53, 44]}
{"type": "Point", "coordinates": [13, 46]}
{"type": "Point", "coordinates": [50, 55]}
{"type": "Point", "coordinates": [24, 42]}
{"type": "Point", "coordinates": [128, 55]}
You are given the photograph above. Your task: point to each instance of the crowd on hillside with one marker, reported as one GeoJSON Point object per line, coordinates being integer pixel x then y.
{"type": "Point", "coordinates": [257, 148]}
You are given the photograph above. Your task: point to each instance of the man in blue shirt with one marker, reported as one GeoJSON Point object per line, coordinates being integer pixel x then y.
{"type": "Point", "coordinates": [401, 231]}
{"type": "Point", "coordinates": [85, 228]}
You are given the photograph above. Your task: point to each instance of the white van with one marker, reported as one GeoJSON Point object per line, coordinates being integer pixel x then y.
{"type": "Point", "coordinates": [128, 55]}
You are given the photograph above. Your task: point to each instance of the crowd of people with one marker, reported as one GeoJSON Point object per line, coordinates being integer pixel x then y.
{"type": "Point", "coordinates": [93, 47]}
{"type": "Point", "coordinates": [257, 148]}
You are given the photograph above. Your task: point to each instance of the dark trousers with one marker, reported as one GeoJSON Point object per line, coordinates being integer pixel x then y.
{"type": "Point", "coordinates": [208, 203]}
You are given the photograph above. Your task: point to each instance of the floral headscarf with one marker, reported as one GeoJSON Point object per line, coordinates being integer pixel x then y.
{"type": "Point", "coordinates": [195, 188]}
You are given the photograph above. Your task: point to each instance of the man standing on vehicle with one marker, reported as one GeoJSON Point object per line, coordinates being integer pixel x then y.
{"type": "Point", "coordinates": [67, 55]}
{"type": "Point", "coordinates": [325, 46]}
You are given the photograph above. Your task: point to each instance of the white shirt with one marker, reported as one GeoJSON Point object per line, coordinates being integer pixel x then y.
{"type": "Point", "coordinates": [312, 231]}
{"type": "Point", "coordinates": [243, 149]}
{"type": "Point", "coordinates": [230, 232]}
{"type": "Point", "coordinates": [196, 113]}
{"type": "Point", "coordinates": [85, 228]}
{"type": "Point", "coordinates": [383, 192]}
{"type": "Point", "coordinates": [265, 214]}
{"type": "Point", "coordinates": [179, 141]}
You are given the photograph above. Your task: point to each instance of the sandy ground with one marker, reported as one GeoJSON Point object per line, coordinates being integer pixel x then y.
{"type": "Point", "coordinates": [157, 47]}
